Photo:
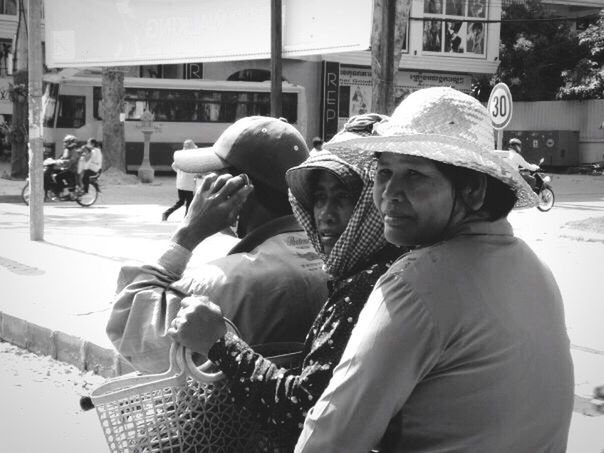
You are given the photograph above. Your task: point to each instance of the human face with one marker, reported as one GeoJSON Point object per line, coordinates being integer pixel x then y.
{"type": "Point", "coordinates": [333, 204]}
{"type": "Point", "coordinates": [415, 199]}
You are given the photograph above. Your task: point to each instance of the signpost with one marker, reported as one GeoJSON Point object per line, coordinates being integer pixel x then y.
{"type": "Point", "coordinates": [147, 127]}
{"type": "Point", "coordinates": [500, 109]}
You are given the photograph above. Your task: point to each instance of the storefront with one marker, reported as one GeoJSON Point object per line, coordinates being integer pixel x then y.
{"type": "Point", "coordinates": [347, 91]}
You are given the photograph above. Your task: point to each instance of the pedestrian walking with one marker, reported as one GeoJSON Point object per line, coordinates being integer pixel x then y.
{"type": "Point", "coordinates": [185, 186]}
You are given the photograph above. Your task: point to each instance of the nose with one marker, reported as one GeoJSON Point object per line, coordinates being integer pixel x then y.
{"type": "Point", "coordinates": [393, 190]}
{"type": "Point", "coordinates": [327, 213]}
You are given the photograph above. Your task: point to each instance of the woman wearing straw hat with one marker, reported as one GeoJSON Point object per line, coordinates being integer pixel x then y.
{"type": "Point", "coordinates": [332, 200]}
{"type": "Point", "coordinates": [462, 344]}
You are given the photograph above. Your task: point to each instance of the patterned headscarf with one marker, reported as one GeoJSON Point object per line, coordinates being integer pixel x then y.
{"type": "Point", "coordinates": [364, 234]}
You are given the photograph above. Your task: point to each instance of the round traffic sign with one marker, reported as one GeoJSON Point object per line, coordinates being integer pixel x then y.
{"type": "Point", "coordinates": [500, 106]}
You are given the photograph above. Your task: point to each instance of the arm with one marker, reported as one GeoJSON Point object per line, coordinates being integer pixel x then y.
{"type": "Point", "coordinates": [279, 396]}
{"type": "Point", "coordinates": [143, 309]}
{"type": "Point", "coordinates": [368, 386]}
{"type": "Point", "coordinates": [148, 298]}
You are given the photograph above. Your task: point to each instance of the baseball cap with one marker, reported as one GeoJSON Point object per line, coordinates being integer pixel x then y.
{"type": "Point", "coordinates": [263, 147]}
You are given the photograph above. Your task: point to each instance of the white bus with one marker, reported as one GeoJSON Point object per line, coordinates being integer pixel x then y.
{"type": "Point", "coordinates": [184, 109]}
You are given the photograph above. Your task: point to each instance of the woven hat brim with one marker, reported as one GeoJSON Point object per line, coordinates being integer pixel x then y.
{"type": "Point", "coordinates": [447, 150]}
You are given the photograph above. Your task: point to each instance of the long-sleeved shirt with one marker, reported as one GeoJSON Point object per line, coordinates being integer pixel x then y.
{"type": "Point", "coordinates": [517, 161]}
{"type": "Point", "coordinates": [462, 346]}
{"type": "Point", "coordinates": [272, 291]}
{"type": "Point", "coordinates": [282, 397]}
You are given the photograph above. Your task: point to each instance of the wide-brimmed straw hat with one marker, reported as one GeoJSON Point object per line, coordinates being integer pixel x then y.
{"type": "Point", "coordinates": [445, 125]}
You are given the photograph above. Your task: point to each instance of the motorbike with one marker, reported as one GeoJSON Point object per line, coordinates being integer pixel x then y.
{"type": "Point", "coordinates": [543, 190]}
{"type": "Point", "coordinates": [53, 188]}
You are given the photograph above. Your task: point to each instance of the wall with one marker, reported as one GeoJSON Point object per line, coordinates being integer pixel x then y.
{"type": "Point", "coordinates": [587, 117]}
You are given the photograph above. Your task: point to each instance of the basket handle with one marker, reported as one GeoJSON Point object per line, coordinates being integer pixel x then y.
{"type": "Point", "coordinates": [201, 372]}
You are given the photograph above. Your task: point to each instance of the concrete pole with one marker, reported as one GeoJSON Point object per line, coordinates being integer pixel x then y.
{"type": "Point", "coordinates": [36, 145]}
{"type": "Point", "coordinates": [390, 18]}
{"type": "Point", "coordinates": [276, 61]}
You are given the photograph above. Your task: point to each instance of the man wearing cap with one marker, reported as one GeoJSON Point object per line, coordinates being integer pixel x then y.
{"type": "Point", "coordinates": [271, 284]}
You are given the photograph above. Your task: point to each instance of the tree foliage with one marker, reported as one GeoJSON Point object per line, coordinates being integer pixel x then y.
{"type": "Point", "coordinates": [586, 79]}
{"type": "Point", "coordinates": [532, 53]}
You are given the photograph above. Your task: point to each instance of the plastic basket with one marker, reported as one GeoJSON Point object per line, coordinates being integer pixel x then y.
{"type": "Point", "coordinates": [186, 409]}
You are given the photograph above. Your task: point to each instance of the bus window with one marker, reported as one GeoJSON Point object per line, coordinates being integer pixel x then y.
{"type": "Point", "coordinates": [49, 104]}
{"type": "Point", "coordinates": [72, 111]}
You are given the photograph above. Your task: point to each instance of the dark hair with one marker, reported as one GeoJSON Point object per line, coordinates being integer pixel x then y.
{"type": "Point", "coordinates": [499, 198]}
{"type": "Point", "coordinates": [273, 200]}
{"type": "Point", "coordinates": [317, 141]}
{"type": "Point", "coordinates": [92, 141]}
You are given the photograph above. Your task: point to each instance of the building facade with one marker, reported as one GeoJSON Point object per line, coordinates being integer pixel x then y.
{"type": "Point", "coordinates": [447, 42]}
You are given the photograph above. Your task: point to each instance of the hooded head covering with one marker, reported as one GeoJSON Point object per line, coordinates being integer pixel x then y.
{"type": "Point", "coordinates": [364, 234]}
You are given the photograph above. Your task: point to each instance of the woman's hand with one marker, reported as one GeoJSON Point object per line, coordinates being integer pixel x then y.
{"type": "Point", "coordinates": [198, 325]}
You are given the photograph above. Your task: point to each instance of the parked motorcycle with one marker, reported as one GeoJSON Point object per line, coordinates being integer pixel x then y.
{"type": "Point", "coordinates": [543, 190]}
{"type": "Point", "coordinates": [53, 190]}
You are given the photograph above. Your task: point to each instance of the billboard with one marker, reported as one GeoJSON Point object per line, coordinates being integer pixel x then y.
{"type": "Point", "coordinates": [140, 32]}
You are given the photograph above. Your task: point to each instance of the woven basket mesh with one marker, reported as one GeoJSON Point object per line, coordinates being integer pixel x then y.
{"type": "Point", "coordinates": [185, 415]}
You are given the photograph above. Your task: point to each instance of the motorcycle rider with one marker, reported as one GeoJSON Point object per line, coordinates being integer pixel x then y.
{"type": "Point", "coordinates": [90, 163]}
{"type": "Point", "coordinates": [68, 164]}
{"type": "Point", "coordinates": [514, 154]}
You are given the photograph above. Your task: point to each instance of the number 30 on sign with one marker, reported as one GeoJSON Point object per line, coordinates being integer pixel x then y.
{"type": "Point", "coordinates": [500, 106]}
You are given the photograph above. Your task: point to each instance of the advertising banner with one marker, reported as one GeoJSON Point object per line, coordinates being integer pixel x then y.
{"type": "Point", "coordinates": [355, 86]}
{"type": "Point", "coordinates": [142, 32]}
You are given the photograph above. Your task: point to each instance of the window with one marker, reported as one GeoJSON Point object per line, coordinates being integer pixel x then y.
{"type": "Point", "coordinates": [8, 7]}
{"type": "Point", "coordinates": [72, 111]}
{"type": "Point", "coordinates": [455, 26]}
{"type": "Point", "coordinates": [199, 106]}
{"type": "Point", "coordinates": [49, 104]}
{"type": "Point", "coordinates": [6, 57]}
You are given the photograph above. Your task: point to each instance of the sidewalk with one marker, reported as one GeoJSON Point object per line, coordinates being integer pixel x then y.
{"type": "Point", "coordinates": [57, 293]}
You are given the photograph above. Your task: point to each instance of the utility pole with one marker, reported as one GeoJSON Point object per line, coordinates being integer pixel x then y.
{"type": "Point", "coordinates": [36, 150]}
{"type": "Point", "coordinates": [389, 20]}
{"type": "Point", "coordinates": [276, 62]}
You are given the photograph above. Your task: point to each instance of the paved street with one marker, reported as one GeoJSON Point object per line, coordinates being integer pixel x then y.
{"type": "Point", "coordinates": [40, 405]}
{"type": "Point", "coordinates": [43, 279]}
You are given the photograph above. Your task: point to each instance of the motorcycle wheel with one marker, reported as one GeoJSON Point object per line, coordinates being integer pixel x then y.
{"type": "Point", "coordinates": [25, 194]}
{"type": "Point", "coordinates": [546, 199]}
{"type": "Point", "coordinates": [88, 199]}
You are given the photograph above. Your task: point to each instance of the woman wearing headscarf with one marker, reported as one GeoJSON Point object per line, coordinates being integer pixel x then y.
{"type": "Point", "coordinates": [331, 198]}
{"type": "Point", "coordinates": [462, 345]}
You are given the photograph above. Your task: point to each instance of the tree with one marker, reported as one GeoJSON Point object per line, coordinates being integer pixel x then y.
{"type": "Point", "coordinates": [533, 53]}
{"type": "Point", "coordinates": [114, 148]}
{"type": "Point", "coordinates": [586, 79]}
{"type": "Point", "coordinates": [19, 128]}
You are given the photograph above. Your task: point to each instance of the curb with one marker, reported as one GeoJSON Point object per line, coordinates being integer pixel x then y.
{"type": "Point", "coordinates": [67, 348]}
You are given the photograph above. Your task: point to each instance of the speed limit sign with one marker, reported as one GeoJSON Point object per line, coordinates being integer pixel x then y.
{"type": "Point", "coordinates": [500, 106]}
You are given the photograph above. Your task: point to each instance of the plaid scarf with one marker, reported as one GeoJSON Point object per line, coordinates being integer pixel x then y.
{"type": "Point", "coordinates": [364, 234]}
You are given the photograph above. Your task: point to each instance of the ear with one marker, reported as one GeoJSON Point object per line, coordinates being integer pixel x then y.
{"type": "Point", "coordinates": [474, 191]}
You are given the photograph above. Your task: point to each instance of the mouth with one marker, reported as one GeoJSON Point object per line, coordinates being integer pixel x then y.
{"type": "Point", "coordinates": [392, 219]}
{"type": "Point", "coordinates": [329, 238]}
